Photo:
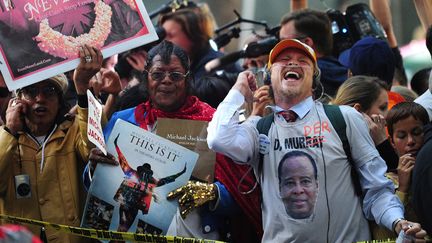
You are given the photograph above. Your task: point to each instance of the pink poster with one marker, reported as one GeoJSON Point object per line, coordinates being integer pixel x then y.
{"type": "Point", "coordinates": [41, 38]}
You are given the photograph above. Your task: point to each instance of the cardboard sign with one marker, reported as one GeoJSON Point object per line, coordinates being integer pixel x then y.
{"type": "Point", "coordinates": [94, 127]}
{"type": "Point", "coordinates": [192, 135]}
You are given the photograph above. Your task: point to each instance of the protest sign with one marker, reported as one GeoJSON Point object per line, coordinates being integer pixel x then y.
{"type": "Point", "coordinates": [94, 126]}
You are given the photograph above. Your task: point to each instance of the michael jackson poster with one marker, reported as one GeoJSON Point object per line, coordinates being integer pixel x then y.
{"type": "Point", "coordinates": [131, 197]}
{"type": "Point", "coordinates": [40, 39]}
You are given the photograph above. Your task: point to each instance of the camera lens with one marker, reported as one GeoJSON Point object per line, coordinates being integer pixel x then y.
{"type": "Point", "coordinates": [23, 189]}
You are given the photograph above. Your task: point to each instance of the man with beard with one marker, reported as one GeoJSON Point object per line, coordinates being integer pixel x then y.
{"type": "Point", "coordinates": [301, 123]}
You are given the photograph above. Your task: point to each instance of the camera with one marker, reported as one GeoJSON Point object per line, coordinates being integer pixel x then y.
{"type": "Point", "coordinates": [22, 186]}
{"type": "Point", "coordinates": [356, 23]}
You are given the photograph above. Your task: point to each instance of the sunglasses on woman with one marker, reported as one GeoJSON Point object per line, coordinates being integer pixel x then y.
{"type": "Point", "coordinates": [173, 76]}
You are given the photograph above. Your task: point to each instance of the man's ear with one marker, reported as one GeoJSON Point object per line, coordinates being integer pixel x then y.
{"type": "Point", "coordinates": [308, 41]}
{"type": "Point", "coordinates": [357, 106]}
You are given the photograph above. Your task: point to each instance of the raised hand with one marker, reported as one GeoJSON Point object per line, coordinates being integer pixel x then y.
{"type": "Point", "coordinates": [106, 80]}
{"type": "Point", "coordinates": [137, 60]}
{"type": "Point", "coordinates": [376, 124]}
{"type": "Point", "coordinates": [15, 113]}
{"type": "Point", "coordinates": [90, 63]}
{"type": "Point", "coordinates": [404, 170]}
{"type": "Point", "coordinates": [246, 84]}
{"type": "Point", "coordinates": [261, 100]}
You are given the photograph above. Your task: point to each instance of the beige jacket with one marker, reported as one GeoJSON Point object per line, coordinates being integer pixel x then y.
{"type": "Point", "coordinates": [57, 193]}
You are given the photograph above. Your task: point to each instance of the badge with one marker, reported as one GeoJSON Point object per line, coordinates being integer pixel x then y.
{"type": "Point", "coordinates": [22, 186]}
{"type": "Point", "coordinates": [264, 144]}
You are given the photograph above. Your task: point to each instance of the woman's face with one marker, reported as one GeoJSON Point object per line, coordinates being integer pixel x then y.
{"type": "Point", "coordinates": [407, 136]}
{"type": "Point", "coordinates": [379, 107]}
{"type": "Point", "coordinates": [167, 84]}
{"type": "Point", "coordinates": [176, 35]}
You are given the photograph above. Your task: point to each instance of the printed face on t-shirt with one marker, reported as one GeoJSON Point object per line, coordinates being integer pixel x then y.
{"type": "Point", "coordinates": [298, 186]}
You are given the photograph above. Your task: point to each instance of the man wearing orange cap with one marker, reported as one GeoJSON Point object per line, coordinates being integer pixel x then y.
{"type": "Point", "coordinates": [300, 123]}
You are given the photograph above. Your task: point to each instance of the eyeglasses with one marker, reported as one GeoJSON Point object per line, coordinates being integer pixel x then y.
{"type": "Point", "coordinates": [4, 92]}
{"type": "Point", "coordinates": [173, 76]}
{"type": "Point", "coordinates": [32, 91]}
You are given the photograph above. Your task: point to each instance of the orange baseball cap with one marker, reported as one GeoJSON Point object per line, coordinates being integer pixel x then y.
{"type": "Point", "coordinates": [291, 43]}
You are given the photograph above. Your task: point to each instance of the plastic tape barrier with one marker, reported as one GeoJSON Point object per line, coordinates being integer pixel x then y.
{"type": "Point", "coordinates": [106, 234]}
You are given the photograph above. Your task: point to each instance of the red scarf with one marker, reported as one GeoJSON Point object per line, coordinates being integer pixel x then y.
{"type": "Point", "coordinates": [193, 109]}
{"type": "Point", "coordinates": [229, 174]}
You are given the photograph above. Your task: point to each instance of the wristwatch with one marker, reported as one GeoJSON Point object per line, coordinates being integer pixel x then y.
{"type": "Point", "coordinates": [395, 223]}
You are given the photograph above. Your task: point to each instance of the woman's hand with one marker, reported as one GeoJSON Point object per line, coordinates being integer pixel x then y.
{"type": "Point", "coordinates": [106, 80]}
{"type": "Point", "coordinates": [97, 156]}
{"type": "Point", "coordinates": [137, 60]}
{"type": "Point", "coordinates": [90, 63]}
{"type": "Point", "coordinates": [404, 170]}
{"type": "Point", "coordinates": [376, 124]}
{"type": "Point", "coordinates": [411, 228]}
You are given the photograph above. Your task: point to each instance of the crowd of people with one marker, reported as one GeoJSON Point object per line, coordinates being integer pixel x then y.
{"type": "Point", "coordinates": [310, 146]}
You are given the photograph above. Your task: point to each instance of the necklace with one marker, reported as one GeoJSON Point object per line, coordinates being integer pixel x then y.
{"type": "Point", "coordinates": [59, 45]}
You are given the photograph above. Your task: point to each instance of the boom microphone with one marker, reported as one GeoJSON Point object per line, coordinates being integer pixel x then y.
{"type": "Point", "coordinates": [220, 62]}
{"type": "Point", "coordinates": [259, 48]}
{"type": "Point", "coordinates": [252, 50]}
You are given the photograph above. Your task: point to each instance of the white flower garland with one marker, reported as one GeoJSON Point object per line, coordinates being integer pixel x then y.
{"type": "Point", "coordinates": [59, 45]}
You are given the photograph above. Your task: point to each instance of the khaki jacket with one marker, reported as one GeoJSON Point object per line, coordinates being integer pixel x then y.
{"type": "Point", "coordinates": [57, 194]}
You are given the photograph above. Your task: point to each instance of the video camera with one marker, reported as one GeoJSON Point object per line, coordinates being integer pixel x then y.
{"type": "Point", "coordinates": [229, 31]}
{"type": "Point", "coordinates": [356, 23]}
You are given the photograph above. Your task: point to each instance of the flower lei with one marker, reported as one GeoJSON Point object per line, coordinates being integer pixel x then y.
{"type": "Point", "coordinates": [59, 45]}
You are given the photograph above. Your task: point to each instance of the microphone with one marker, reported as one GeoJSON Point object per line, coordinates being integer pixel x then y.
{"type": "Point", "coordinates": [259, 48]}
{"type": "Point", "coordinates": [220, 62]}
{"type": "Point", "coordinates": [254, 49]}
{"type": "Point", "coordinates": [223, 39]}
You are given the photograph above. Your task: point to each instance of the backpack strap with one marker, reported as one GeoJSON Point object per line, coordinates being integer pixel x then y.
{"type": "Point", "coordinates": [264, 124]}
{"type": "Point", "coordinates": [336, 118]}
{"type": "Point", "coordinates": [263, 127]}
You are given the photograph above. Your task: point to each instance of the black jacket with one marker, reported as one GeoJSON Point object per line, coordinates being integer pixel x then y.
{"type": "Point", "coordinates": [422, 182]}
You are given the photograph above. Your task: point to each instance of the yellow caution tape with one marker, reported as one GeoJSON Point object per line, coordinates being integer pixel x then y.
{"type": "Point", "coordinates": [108, 234]}
{"type": "Point", "coordinates": [378, 241]}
